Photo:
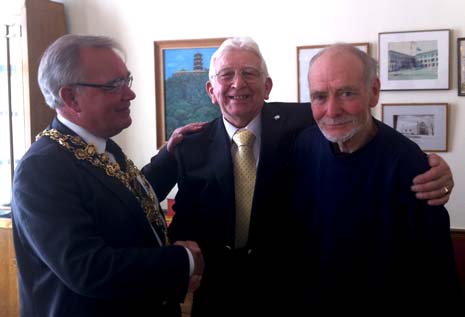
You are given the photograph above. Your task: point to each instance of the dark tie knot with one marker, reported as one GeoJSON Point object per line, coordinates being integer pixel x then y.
{"type": "Point", "coordinates": [111, 147]}
{"type": "Point", "coordinates": [114, 149]}
{"type": "Point", "coordinates": [243, 137]}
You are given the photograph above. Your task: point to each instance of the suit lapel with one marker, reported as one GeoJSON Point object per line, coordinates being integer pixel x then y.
{"type": "Point", "coordinates": [220, 152]}
{"type": "Point", "coordinates": [269, 166]}
{"type": "Point", "coordinates": [113, 184]}
{"type": "Point", "coordinates": [272, 127]}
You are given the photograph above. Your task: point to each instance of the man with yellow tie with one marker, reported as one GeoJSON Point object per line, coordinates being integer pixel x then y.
{"type": "Point", "coordinates": [226, 198]}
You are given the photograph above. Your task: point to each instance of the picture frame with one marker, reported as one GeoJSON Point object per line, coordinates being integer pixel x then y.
{"type": "Point", "coordinates": [461, 66]}
{"type": "Point", "coordinates": [423, 123]}
{"type": "Point", "coordinates": [304, 55]}
{"type": "Point", "coordinates": [181, 72]}
{"type": "Point", "coordinates": [414, 60]}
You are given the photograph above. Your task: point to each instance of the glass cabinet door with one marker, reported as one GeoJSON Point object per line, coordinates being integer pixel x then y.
{"type": "Point", "coordinates": [12, 120]}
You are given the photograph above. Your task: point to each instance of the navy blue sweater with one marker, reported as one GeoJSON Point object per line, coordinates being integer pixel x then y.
{"type": "Point", "coordinates": [367, 238]}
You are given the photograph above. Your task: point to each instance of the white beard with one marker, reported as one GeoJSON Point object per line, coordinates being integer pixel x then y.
{"type": "Point", "coordinates": [342, 119]}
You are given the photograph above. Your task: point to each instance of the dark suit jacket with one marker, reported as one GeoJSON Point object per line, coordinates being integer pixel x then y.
{"type": "Point", "coordinates": [83, 244]}
{"type": "Point", "coordinates": [205, 210]}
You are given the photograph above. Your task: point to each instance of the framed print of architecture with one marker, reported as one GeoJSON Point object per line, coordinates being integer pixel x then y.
{"type": "Point", "coordinates": [414, 60]}
{"type": "Point", "coordinates": [461, 66]}
{"type": "Point", "coordinates": [181, 71]}
{"type": "Point", "coordinates": [423, 123]}
{"type": "Point", "coordinates": [304, 55]}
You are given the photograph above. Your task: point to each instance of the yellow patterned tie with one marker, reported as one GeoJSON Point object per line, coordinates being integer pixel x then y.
{"type": "Point", "coordinates": [244, 183]}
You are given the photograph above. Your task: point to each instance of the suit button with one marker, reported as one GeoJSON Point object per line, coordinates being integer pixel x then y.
{"type": "Point", "coordinates": [249, 251]}
{"type": "Point", "coordinates": [228, 248]}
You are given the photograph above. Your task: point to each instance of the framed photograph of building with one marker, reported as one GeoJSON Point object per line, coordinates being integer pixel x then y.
{"type": "Point", "coordinates": [304, 55]}
{"type": "Point", "coordinates": [414, 60]}
{"type": "Point", "coordinates": [461, 66]}
{"type": "Point", "coordinates": [423, 123]}
{"type": "Point", "coordinates": [181, 71]}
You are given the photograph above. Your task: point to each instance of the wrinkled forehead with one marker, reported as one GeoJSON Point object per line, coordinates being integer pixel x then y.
{"type": "Point", "coordinates": [336, 65]}
{"type": "Point", "coordinates": [237, 58]}
{"type": "Point", "coordinates": [338, 58]}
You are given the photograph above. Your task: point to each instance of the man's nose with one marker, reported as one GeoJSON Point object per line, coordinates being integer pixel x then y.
{"type": "Point", "coordinates": [129, 93]}
{"type": "Point", "coordinates": [238, 80]}
{"type": "Point", "coordinates": [332, 107]}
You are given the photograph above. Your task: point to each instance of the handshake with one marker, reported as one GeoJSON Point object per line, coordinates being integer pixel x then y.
{"type": "Point", "coordinates": [199, 264]}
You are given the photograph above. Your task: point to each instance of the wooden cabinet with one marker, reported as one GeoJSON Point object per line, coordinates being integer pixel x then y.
{"type": "Point", "coordinates": [9, 304]}
{"type": "Point", "coordinates": [33, 26]}
{"type": "Point", "coordinates": [29, 27]}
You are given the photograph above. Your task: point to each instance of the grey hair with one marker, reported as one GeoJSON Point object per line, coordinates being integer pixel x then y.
{"type": "Point", "coordinates": [370, 66]}
{"type": "Point", "coordinates": [237, 43]}
{"type": "Point", "coordinates": [60, 63]}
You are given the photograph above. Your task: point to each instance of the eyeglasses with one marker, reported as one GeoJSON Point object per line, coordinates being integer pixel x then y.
{"type": "Point", "coordinates": [113, 87]}
{"type": "Point", "coordinates": [249, 74]}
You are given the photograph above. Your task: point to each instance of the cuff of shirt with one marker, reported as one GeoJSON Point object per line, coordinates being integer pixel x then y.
{"type": "Point", "coordinates": [191, 261]}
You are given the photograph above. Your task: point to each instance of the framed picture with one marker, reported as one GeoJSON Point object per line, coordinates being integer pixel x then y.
{"type": "Point", "coordinates": [304, 55]}
{"type": "Point", "coordinates": [181, 71]}
{"type": "Point", "coordinates": [461, 66]}
{"type": "Point", "coordinates": [423, 123]}
{"type": "Point", "coordinates": [414, 60]}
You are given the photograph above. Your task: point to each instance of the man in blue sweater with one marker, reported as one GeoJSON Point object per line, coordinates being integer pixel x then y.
{"type": "Point", "coordinates": [368, 241]}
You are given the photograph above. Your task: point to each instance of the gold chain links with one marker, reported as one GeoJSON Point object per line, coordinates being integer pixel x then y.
{"type": "Point", "coordinates": [88, 152]}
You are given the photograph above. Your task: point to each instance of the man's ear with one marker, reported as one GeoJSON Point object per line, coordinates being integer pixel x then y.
{"type": "Point", "coordinates": [209, 88]}
{"type": "Point", "coordinates": [68, 96]}
{"type": "Point", "coordinates": [374, 93]}
{"type": "Point", "coordinates": [268, 86]}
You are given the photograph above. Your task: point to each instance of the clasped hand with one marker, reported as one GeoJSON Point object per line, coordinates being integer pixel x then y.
{"type": "Point", "coordinates": [199, 264]}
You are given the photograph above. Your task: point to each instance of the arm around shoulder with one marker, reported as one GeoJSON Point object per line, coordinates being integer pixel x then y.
{"type": "Point", "coordinates": [162, 173]}
{"type": "Point", "coordinates": [435, 185]}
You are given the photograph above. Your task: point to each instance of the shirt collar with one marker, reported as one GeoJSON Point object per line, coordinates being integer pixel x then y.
{"type": "Point", "coordinates": [84, 134]}
{"type": "Point", "coordinates": [254, 126]}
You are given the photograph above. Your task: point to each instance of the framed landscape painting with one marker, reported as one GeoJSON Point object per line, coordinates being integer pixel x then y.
{"type": "Point", "coordinates": [414, 60]}
{"type": "Point", "coordinates": [304, 55]}
{"type": "Point", "coordinates": [181, 71]}
{"type": "Point", "coordinates": [423, 123]}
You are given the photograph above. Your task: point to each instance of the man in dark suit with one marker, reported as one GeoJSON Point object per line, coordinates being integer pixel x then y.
{"type": "Point", "coordinates": [206, 201]}
{"type": "Point", "coordinates": [89, 236]}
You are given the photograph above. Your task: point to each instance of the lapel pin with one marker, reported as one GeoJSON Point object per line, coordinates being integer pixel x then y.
{"type": "Point", "coordinates": [276, 117]}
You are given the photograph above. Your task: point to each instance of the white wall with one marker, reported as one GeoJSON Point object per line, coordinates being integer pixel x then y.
{"type": "Point", "coordinates": [278, 26]}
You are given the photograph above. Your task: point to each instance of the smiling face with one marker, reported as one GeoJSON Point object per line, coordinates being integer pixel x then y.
{"type": "Point", "coordinates": [101, 112]}
{"type": "Point", "coordinates": [241, 98]}
{"type": "Point", "coordinates": [341, 98]}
